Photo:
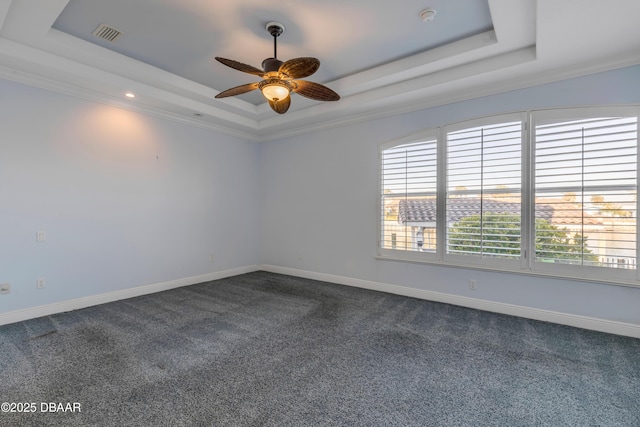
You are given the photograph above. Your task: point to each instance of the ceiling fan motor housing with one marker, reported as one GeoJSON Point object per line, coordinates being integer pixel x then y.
{"type": "Point", "coordinates": [271, 64]}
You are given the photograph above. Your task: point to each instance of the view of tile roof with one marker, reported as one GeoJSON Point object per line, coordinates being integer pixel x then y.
{"type": "Point", "coordinates": [424, 210]}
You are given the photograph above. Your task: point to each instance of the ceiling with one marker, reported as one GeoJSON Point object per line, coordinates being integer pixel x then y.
{"type": "Point", "coordinates": [378, 55]}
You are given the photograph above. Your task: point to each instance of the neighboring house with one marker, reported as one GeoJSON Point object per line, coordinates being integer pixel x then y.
{"type": "Point", "coordinates": [420, 215]}
{"type": "Point", "coordinates": [415, 228]}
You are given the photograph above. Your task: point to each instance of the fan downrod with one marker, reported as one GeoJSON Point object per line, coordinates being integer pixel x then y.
{"type": "Point", "coordinates": [273, 64]}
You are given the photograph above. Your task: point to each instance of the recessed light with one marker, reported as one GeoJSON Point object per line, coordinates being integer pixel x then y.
{"type": "Point", "coordinates": [427, 15]}
{"type": "Point", "coordinates": [130, 95]}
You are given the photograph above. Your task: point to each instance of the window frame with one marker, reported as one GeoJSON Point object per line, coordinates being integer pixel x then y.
{"type": "Point", "coordinates": [409, 255]}
{"type": "Point", "coordinates": [469, 124]}
{"type": "Point", "coordinates": [526, 264]}
{"type": "Point", "coordinates": [540, 117]}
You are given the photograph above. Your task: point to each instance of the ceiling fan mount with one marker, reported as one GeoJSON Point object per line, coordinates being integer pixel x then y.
{"type": "Point", "coordinates": [275, 28]}
{"type": "Point", "coordinates": [280, 79]}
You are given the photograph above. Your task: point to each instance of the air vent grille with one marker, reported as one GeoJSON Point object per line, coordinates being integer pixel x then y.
{"type": "Point", "coordinates": [106, 32]}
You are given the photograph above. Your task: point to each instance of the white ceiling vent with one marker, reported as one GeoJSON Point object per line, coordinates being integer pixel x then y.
{"type": "Point", "coordinates": [106, 32]}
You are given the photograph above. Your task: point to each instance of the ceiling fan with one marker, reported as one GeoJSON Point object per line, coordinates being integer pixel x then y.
{"type": "Point", "coordinates": [280, 78]}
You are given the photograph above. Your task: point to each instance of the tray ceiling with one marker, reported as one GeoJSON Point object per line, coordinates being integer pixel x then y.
{"type": "Point", "coordinates": [378, 55]}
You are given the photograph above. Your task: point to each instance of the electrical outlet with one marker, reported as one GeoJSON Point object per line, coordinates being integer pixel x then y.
{"type": "Point", "coordinates": [41, 283]}
{"type": "Point", "coordinates": [41, 236]}
{"type": "Point", "coordinates": [212, 259]}
{"type": "Point", "coordinates": [472, 284]}
{"type": "Point", "coordinates": [5, 288]}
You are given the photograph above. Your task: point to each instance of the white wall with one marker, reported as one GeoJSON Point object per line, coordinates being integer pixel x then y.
{"type": "Point", "coordinates": [320, 205]}
{"type": "Point", "coordinates": [125, 199]}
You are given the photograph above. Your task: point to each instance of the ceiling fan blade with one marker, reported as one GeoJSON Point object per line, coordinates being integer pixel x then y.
{"type": "Point", "coordinates": [238, 90]}
{"type": "Point", "coordinates": [280, 107]}
{"type": "Point", "coordinates": [300, 67]}
{"type": "Point", "coordinates": [240, 66]}
{"type": "Point", "coordinates": [315, 91]}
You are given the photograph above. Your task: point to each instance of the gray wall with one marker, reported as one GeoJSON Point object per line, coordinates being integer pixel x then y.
{"type": "Point", "coordinates": [125, 199]}
{"type": "Point", "coordinates": [128, 200]}
{"type": "Point", "coordinates": [320, 204]}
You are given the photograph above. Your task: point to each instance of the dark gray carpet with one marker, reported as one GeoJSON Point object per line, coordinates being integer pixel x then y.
{"type": "Point", "coordinates": [266, 349]}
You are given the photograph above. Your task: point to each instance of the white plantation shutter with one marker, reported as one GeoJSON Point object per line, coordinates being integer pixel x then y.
{"type": "Point", "coordinates": [484, 186]}
{"type": "Point", "coordinates": [585, 169]}
{"type": "Point", "coordinates": [552, 192]}
{"type": "Point", "coordinates": [408, 195]}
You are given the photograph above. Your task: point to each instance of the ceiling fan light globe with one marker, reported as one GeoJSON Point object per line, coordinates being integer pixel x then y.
{"type": "Point", "coordinates": [275, 92]}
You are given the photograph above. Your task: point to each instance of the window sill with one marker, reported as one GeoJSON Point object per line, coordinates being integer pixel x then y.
{"type": "Point", "coordinates": [523, 272]}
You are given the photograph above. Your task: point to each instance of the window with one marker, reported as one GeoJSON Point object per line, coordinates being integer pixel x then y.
{"type": "Point", "coordinates": [483, 205]}
{"type": "Point", "coordinates": [552, 192]}
{"type": "Point", "coordinates": [408, 194]}
{"type": "Point", "coordinates": [586, 173]}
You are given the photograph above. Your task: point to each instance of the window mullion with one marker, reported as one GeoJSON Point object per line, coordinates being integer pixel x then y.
{"type": "Point", "coordinates": [441, 199]}
{"type": "Point", "coordinates": [528, 220]}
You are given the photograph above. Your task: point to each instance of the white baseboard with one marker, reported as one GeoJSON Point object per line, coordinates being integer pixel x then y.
{"type": "Point", "coordinates": [78, 303]}
{"type": "Point", "coordinates": [602, 325]}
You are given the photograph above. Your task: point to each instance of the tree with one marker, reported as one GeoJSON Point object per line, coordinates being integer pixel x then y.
{"type": "Point", "coordinates": [609, 209]}
{"type": "Point", "coordinates": [459, 188]}
{"type": "Point", "coordinates": [499, 234]}
{"type": "Point", "coordinates": [553, 243]}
